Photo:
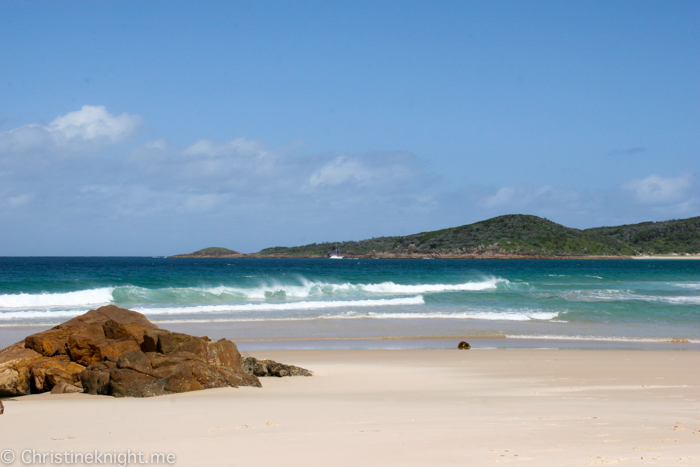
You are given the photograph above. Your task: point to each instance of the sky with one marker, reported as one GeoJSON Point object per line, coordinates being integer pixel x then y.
{"type": "Point", "coordinates": [158, 128]}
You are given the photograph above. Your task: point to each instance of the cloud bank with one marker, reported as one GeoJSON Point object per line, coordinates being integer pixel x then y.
{"type": "Point", "coordinates": [89, 129]}
{"type": "Point", "coordinates": [661, 191]}
{"type": "Point", "coordinates": [77, 180]}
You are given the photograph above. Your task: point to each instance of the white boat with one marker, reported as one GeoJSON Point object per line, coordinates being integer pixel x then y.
{"type": "Point", "coordinates": [335, 255]}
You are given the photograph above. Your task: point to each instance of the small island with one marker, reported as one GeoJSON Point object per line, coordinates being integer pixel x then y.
{"type": "Point", "coordinates": [212, 252]}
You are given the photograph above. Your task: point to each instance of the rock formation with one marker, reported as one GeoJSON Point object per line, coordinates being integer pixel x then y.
{"type": "Point", "coordinates": [118, 352]}
{"type": "Point", "coordinates": [255, 367]}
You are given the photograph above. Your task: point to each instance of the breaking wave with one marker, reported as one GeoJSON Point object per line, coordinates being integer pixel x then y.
{"type": "Point", "coordinates": [480, 315]}
{"type": "Point", "coordinates": [612, 295]}
{"type": "Point", "coordinates": [249, 307]}
{"type": "Point", "coordinates": [226, 294]}
{"type": "Point", "coordinates": [101, 296]}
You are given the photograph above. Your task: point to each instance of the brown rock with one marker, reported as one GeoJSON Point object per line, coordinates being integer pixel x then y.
{"type": "Point", "coordinates": [95, 379]}
{"type": "Point", "coordinates": [71, 389]}
{"type": "Point", "coordinates": [182, 383]}
{"type": "Point", "coordinates": [150, 339]}
{"type": "Point", "coordinates": [84, 346]}
{"type": "Point", "coordinates": [65, 388]}
{"type": "Point", "coordinates": [168, 343]}
{"type": "Point", "coordinates": [223, 353]}
{"type": "Point", "coordinates": [54, 341]}
{"type": "Point", "coordinates": [110, 312]}
{"type": "Point", "coordinates": [118, 352]}
{"type": "Point", "coordinates": [114, 349]}
{"type": "Point", "coordinates": [124, 331]}
{"type": "Point", "coordinates": [57, 375]}
{"type": "Point", "coordinates": [89, 345]}
{"type": "Point", "coordinates": [58, 389]}
{"type": "Point", "coordinates": [46, 372]}
{"type": "Point", "coordinates": [261, 368]}
{"type": "Point", "coordinates": [15, 370]}
{"type": "Point", "coordinates": [239, 378]}
{"type": "Point", "coordinates": [464, 345]}
{"type": "Point", "coordinates": [135, 360]}
{"type": "Point", "coordinates": [130, 383]}
{"type": "Point", "coordinates": [179, 371]}
{"type": "Point", "coordinates": [48, 343]}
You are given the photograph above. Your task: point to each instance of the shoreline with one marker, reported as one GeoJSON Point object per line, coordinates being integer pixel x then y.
{"type": "Point", "coordinates": [444, 256]}
{"type": "Point", "coordinates": [398, 256]}
{"type": "Point", "coordinates": [9, 335]}
{"type": "Point", "coordinates": [399, 408]}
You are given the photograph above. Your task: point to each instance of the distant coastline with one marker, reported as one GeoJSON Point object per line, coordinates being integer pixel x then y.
{"type": "Point", "coordinates": [386, 255]}
{"type": "Point", "coordinates": [514, 236]}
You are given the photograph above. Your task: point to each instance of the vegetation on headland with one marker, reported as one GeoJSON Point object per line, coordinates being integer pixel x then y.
{"type": "Point", "coordinates": [679, 236]}
{"type": "Point", "coordinates": [510, 236]}
{"type": "Point", "coordinates": [211, 252]}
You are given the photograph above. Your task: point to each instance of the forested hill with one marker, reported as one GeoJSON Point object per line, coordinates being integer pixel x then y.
{"type": "Point", "coordinates": [514, 235]}
{"type": "Point", "coordinates": [675, 236]}
{"type": "Point", "coordinates": [511, 235]}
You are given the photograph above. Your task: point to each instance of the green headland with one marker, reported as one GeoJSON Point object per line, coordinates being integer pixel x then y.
{"type": "Point", "coordinates": [510, 236]}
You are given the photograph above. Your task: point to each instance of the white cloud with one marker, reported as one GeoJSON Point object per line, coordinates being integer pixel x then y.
{"type": "Point", "coordinates": [380, 171]}
{"type": "Point", "coordinates": [92, 123]}
{"type": "Point", "coordinates": [341, 170]}
{"type": "Point", "coordinates": [503, 197]}
{"type": "Point", "coordinates": [520, 196]}
{"type": "Point", "coordinates": [655, 190]}
{"type": "Point", "coordinates": [88, 129]}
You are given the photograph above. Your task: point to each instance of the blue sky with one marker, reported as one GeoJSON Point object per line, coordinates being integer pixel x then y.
{"type": "Point", "coordinates": [155, 128]}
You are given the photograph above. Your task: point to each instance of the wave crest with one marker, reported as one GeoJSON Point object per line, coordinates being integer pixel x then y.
{"type": "Point", "coordinates": [223, 294]}
{"type": "Point", "coordinates": [101, 296]}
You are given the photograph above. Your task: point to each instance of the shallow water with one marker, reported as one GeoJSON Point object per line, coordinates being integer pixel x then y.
{"type": "Point", "coordinates": [623, 301]}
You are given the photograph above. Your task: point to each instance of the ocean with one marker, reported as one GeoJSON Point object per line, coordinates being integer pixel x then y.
{"type": "Point", "coordinates": [299, 303]}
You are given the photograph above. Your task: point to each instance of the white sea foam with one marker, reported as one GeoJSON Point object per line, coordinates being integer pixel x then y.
{"type": "Point", "coordinates": [288, 306]}
{"type": "Point", "coordinates": [248, 307]}
{"type": "Point", "coordinates": [101, 296]}
{"type": "Point", "coordinates": [222, 294]}
{"type": "Point", "coordinates": [692, 300]}
{"type": "Point", "coordinates": [480, 315]}
{"type": "Point", "coordinates": [667, 340]}
{"type": "Point", "coordinates": [308, 288]}
{"type": "Point", "coordinates": [40, 314]}
{"type": "Point", "coordinates": [687, 285]}
{"type": "Point", "coordinates": [627, 295]}
{"type": "Point", "coordinates": [393, 288]}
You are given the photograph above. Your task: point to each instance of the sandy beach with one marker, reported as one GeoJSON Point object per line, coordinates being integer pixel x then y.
{"type": "Point", "coordinates": [666, 257]}
{"type": "Point", "coordinates": [398, 407]}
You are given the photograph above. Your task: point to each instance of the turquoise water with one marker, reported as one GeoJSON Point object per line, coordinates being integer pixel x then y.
{"type": "Point", "coordinates": [612, 300]}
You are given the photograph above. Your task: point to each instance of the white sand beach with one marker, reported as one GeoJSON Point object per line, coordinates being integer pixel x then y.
{"type": "Point", "coordinates": [398, 407]}
{"type": "Point", "coordinates": [686, 256]}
